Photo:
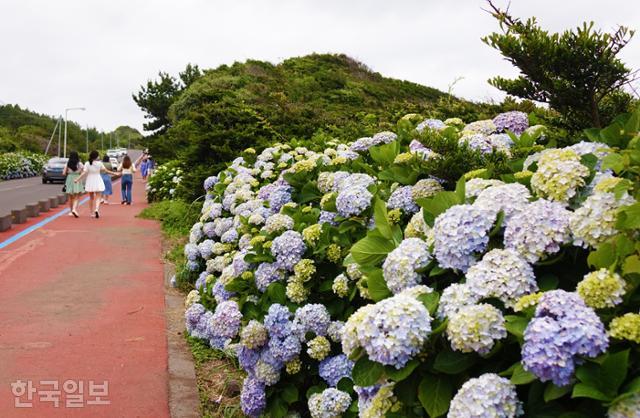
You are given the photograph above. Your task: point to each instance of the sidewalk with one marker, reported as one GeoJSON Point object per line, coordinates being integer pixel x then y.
{"type": "Point", "coordinates": [82, 300]}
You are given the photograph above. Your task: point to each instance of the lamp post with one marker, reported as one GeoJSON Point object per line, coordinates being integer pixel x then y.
{"type": "Point", "coordinates": [65, 126]}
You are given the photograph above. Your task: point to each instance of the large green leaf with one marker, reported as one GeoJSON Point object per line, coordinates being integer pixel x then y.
{"type": "Point", "coordinates": [399, 375]}
{"type": "Point", "coordinates": [520, 376]}
{"type": "Point", "coordinates": [613, 371]}
{"type": "Point", "coordinates": [366, 372]}
{"type": "Point", "coordinates": [371, 249]}
{"type": "Point", "coordinates": [381, 219]}
{"type": "Point", "coordinates": [516, 325]}
{"type": "Point", "coordinates": [377, 286]}
{"type": "Point", "coordinates": [582, 390]}
{"type": "Point", "coordinates": [603, 257]}
{"type": "Point", "coordinates": [435, 393]}
{"type": "Point", "coordinates": [552, 391]}
{"type": "Point", "coordinates": [453, 362]}
{"type": "Point", "coordinates": [629, 217]}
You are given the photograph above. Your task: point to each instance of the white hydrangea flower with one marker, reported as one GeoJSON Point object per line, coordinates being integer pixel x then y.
{"type": "Point", "coordinates": [476, 328]}
{"type": "Point", "coordinates": [487, 396]}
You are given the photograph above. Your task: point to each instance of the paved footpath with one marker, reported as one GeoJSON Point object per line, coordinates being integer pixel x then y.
{"type": "Point", "coordinates": [82, 300]}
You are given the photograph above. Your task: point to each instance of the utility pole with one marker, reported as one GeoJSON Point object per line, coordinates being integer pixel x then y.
{"type": "Point", "coordinates": [65, 126]}
{"type": "Point", "coordinates": [59, 134]}
{"type": "Point", "coordinates": [87, 140]}
{"type": "Point", "coordinates": [102, 141]}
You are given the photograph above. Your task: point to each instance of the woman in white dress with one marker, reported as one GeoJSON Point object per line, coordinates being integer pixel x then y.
{"type": "Point", "coordinates": [94, 185]}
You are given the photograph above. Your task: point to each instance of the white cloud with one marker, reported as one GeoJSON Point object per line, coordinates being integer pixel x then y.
{"type": "Point", "coordinates": [96, 53]}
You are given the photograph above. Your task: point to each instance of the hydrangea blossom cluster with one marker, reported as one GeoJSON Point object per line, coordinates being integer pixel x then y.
{"type": "Point", "coordinates": [402, 198]}
{"type": "Point", "coordinates": [461, 232]}
{"type": "Point", "coordinates": [514, 121]}
{"type": "Point", "coordinates": [476, 328]}
{"type": "Point", "coordinates": [330, 403]}
{"type": "Point", "coordinates": [563, 329]}
{"type": "Point", "coordinates": [509, 198]}
{"type": "Point", "coordinates": [501, 274]}
{"type": "Point", "coordinates": [391, 332]}
{"type": "Point", "coordinates": [487, 396]}
{"type": "Point", "coordinates": [333, 369]}
{"type": "Point", "coordinates": [400, 268]}
{"type": "Point", "coordinates": [602, 289]}
{"type": "Point", "coordinates": [288, 249]}
{"type": "Point", "coordinates": [594, 221]}
{"type": "Point", "coordinates": [559, 175]}
{"type": "Point", "coordinates": [538, 230]}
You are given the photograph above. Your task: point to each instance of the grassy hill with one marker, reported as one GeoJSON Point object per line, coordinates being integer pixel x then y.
{"type": "Point", "coordinates": [256, 103]}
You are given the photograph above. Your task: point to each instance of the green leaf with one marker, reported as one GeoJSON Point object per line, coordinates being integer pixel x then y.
{"type": "Point", "coordinates": [277, 293]}
{"type": "Point", "coordinates": [435, 393]}
{"type": "Point", "coordinates": [614, 162]}
{"type": "Point", "coordinates": [399, 375]}
{"type": "Point", "coordinates": [377, 286]}
{"type": "Point", "coordinates": [613, 371]}
{"type": "Point", "coordinates": [430, 301]}
{"type": "Point", "coordinates": [366, 372]}
{"type": "Point", "coordinates": [289, 394]}
{"type": "Point", "coordinates": [582, 390]}
{"type": "Point", "coordinates": [384, 154]}
{"type": "Point", "coordinates": [381, 219]}
{"type": "Point", "coordinates": [520, 376]}
{"type": "Point", "coordinates": [277, 409]}
{"type": "Point", "coordinates": [371, 249]}
{"type": "Point", "coordinates": [631, 265]}
{"type": "Point", "coordinates": [453, 362]}
{"type": "Point", "coordinates": [439, 203]}
{"type": "Point", "coordinates": [461, 190]}
{"type": "Point", "coordinates": [516, 325]}
{"type": "Point", "coordinates": [633, 123]}
{"type": "Point", "coordinates": [629, 217]}
{"type": "Point", "coordinates": [237, 285]}
{"type": "Point", "coordinates": [552, 391]}
{"type": "Point", "coordinates": [548, 282]}
{"type": "Point", "coordinates": [603, 257]}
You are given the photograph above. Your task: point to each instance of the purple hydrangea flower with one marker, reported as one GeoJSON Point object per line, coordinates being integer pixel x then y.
{"type": "Point", "coordinates": [401, 199]}
{"type": "Point", "coordinates": [226, 319]}
{"type": "Point", "coordinates": [209, 229]}
{"type": "Point", "coordinates": [205, 248]}
{"type": "Point", "coordinates": [352, 201]}
{"type": "Point", "coordinates": [211, 181]}
{"type": "Point", "coordinates": [288, 249]}
{"type": "Point", "coordinates": [191, 252]}
{"type": "Point", "coordinates": [192, 315]}
{"type": "Point", "coordinates": [563, 329]}
{"type": "Point", "coordinates": [327, 217]}
{"type": "Point", "coordinates": [332, 369]}
{"type": "Point", "coordinates": [267, 273]}
{"type": "Point", "coordinates": [277, 321]}
{"type": "Point", "coordinates": [202, 279]}
{"type": "Point", "coordinates": [253, 399]}
{"type": "Point", "coordinates": [247, 358]}
{"type": "Point", "coordinates": [436, 124]}
{"type": "Point", "coordinates": [311, 318]}
{"type": "Point", "coordinates": [286, 348]}
{"type": "Point", "coordinates": [220, 293]}
{"type": "Point", "coordinates": [516, 122]}
{"type": "Point", "coordinates": [192, 265]}
{"type": "Point", "coordinates": [279, 196]}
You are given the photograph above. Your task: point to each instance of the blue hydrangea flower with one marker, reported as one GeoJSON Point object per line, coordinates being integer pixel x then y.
{"type": "Point", "coordinates": [192, 315]}
{"type": "Point", "coordinates": [538, 230]}
{"type": "Point", "coordinates": [330, 403]}
{"type": "Point", "coordinates": [285, 349]}
{"type": "Point", "coordinates": [192, 265]}
{"type": "Point", "coordinates": [205, 248]}
{"type": "Point", "coordinates": [220, 293]}
{"type": "Point", "coordinates": [210, 181]}
{"type": "Point", "coordinates": [229, 236]}
{"type": "Point", "coordinates": [327, 217]}
{"type": "Point", "coordinates": [402, 198]}
{"type": "Point", "coordinates": [279, 196]}
{"type": "Point", "coordinates": [288, 249]}
{"type": "Point", "coordinates": [253, 399]}
{"type": "Point", "coordinates": [487, 396]}
{"type": "Point", "coordinates": [461, 232]}
{"type": "Point", "coordinates": [563, 329]}
{"type": "Point", "coordinates": [435, 124]}
{"type": "Point", "coordinates": [191, 252]}
{"type": "Point", "coordinates": [311, 318]}
{"type": "Point", "coordinates": [352, 201]}
{"type": "Point", "coordinates": [209, 229]}
{"type": "Point", "coordinates": [201, 281]}
{"type": "Point", "coordinates": [516, 122]}
{"type": "Point", "coordinates": [400, 268]}
{"type": "Point", "coordinates": [226, 319]}
{"type": "Point", "coordinates": [332, 369]}
{"type": "Point", "coordinates": [267, 273]}
{"type": "Point", "coordinates": [247, 358]}
{"type": "Point", "coordinates": [277, 321]}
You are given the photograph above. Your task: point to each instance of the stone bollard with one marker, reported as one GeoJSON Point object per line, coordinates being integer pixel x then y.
{"type": "Point", "coordinates": [19, 216]}
{"type": "Point", "coordinates": [45, 206]}
{"type": "Point", "coordinates": [33, 210]}
{"type": "Point", "coordinates": [5, 222]}
{"type": "Point", "coordinates": [53, 202]}
{"type": "Point", "coordinates": [62, 199]}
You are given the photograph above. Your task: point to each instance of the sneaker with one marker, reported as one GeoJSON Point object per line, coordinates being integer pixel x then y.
{"type": "Point", "coordinates": [123, 202]}
{"type": "Point", "coordinates": [97, 214]}
{"type": "Point", "coordinates": [74, 213]}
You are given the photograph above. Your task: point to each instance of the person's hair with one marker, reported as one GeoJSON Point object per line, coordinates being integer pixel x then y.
{"type": "Point", "coordinates": [126, 162]}
{"type": "Point", "coordinates": [105, 159]}
{"type": "Point", "coordinates": [73, 161]}
{"type": "Point", "coordinates": [93, 155]}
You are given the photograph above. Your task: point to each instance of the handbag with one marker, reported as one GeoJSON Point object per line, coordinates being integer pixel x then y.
{"type": "Point", "coordinates": [64, 188]}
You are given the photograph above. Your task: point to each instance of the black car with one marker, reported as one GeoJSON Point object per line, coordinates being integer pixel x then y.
{"type": "Point", "coordinates": [53, 170]}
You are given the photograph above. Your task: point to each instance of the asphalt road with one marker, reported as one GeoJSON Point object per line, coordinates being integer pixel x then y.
{"type": "Point", "coordinates": [16, 194]}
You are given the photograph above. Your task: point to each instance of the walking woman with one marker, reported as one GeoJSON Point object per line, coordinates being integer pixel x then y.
{"type": "Point", "coordinates": [106, 178]}
{"type": "Point", "coordinates": [127, 168]}
{"type": "Point", "coordinates": [73, 188]}
{"type": "Point", "coordinates": [94, 184]}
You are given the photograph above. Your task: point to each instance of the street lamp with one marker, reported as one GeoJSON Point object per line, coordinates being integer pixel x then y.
{"type": "Point", "coordinates": [65, 126]}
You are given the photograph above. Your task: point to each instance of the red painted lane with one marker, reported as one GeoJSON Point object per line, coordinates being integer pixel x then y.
{"type": "Point", "coordinates": [80, 300]}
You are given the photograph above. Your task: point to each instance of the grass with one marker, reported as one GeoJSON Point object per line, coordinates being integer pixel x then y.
{"type": "Point", "coordinates": [218, 375]}
{"type": "Point", "coordinates": [219, 380]}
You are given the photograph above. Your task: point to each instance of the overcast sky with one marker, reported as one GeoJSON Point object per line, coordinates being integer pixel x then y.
{"type": "Point", "coordinates": [67, 53]}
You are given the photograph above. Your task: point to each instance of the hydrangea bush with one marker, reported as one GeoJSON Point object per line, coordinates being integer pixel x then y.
{"type": "Point", "coordinates": [164, 181]}
{"type": "Point", "coordinates": [366, 279]}
{"type": "Point", "coordinates": [18, 165]}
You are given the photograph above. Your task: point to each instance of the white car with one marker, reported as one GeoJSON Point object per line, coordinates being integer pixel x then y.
{"type": "Point", "coordinates": [114, 162]}
{"type": "Point", "coordinates": [112, 153]}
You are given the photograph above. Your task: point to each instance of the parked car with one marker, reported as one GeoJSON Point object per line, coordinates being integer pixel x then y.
{"type": "Point", "coordinates": [52, 170]}
{"type": "Point", "coordinates": [113, 153]}
{"type": "Point", "coordinates": [114, 162]}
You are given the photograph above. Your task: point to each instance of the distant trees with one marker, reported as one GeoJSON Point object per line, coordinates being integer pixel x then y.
{"type": "Point", "coordinates": [578, 73]}
{"type": "Point", "coordinates": [157, 96]}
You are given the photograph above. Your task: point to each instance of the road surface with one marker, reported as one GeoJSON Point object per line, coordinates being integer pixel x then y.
{"type": "Point", "coordinates": [16, 194]}
{"type": "Point", "coordinates": [82, 303]}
